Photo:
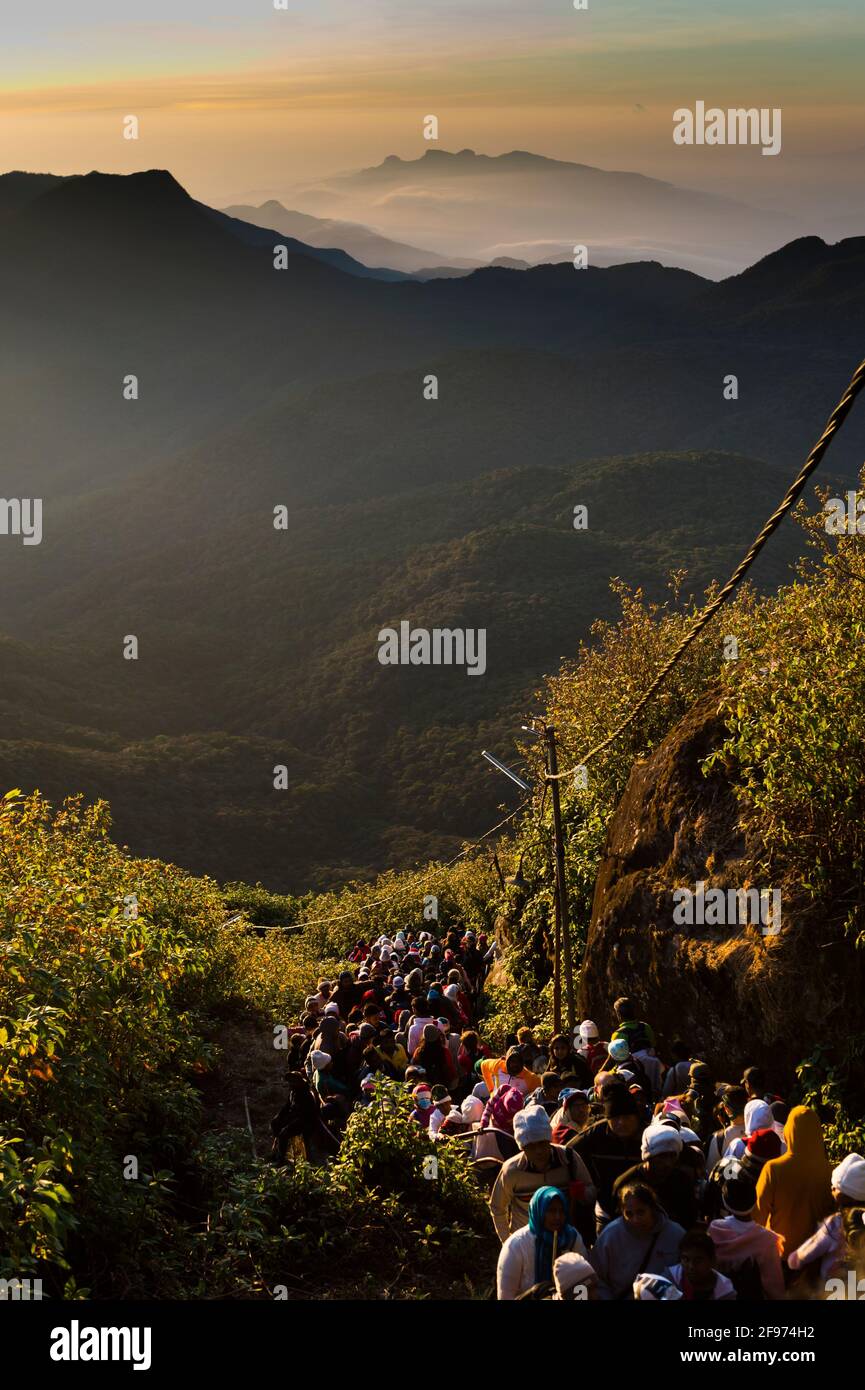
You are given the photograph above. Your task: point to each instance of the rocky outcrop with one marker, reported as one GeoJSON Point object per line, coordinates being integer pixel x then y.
{"type": "Point", "coordinates": [733, 993]}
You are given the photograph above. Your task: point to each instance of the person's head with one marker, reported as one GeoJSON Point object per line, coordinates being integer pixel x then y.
{"type": "Point", "coordinates": [441, 1099]}
{"type": "Point", "coordinates": [575, 1279]}
{"type": "Point", "coordinates": [470, 1041]}
{"type": "Point", "coordinates": [422, 1096]}
{"type": "Point", "coordinates": [734, 1102]}
{"type": "Point", "coordinates": [701, 1079]}
{"type": "Point", "coordinates": [680, 1051]}
{"type": "Point", "coordinates": [323, 988]}
{"type": "Point", "coordinates": [639, 1207]}
{"type": "Point", "coordinates": [621, 1113]}
{"type": "Point", "coordinates": [321, 1060]}
{"type": "Point", "coordinates": [431, 1035]}
{"type": "Point", "coordinates": [514, 1063]}
{"type": "Point", "coordinates": [698, 1259]}
{"type": "Point", "coordinates": [607, 1081]}
{"type": "Point", "coordinates": [757, 1115]}
{"type": "Point", "coordinates": [418, 1007]}
{"type": "Point", "coordinates": [848, 1182]}
{"type": "Point", "coordinates": [754, 1082]}
{"type": "Point", "coordinates": [533, 1133]}
{"type": "Point", "coordinates": [854, 1233]}
{"type": "Point", "coordinates": [547, 1210]}
{"type": "Point", "coordinates": [780, 1112]}
{"type": "Point", "coordinates": [366, 1034]}
{"type": "Point", "coordinates": [552, 1084]}
{"type": "Point", "coordinates": [371, 1011]}
{"type": "Point", "coordinates": [443, 1025]}
{"type": "Point", "coordinates": [472, 1110]}
{"type": "Point", "coordinates": [655, 1288]}
{"type": "Point", "coordinates": [310, 1024]}
{"type": "Point", "coordinates": [660, 1148]}
{"type": "Point", "coordinates": [625, 1009]}
{"type": "Point", "coordinates": [619, 1051]}
{"type": "Point", "coordinates": [588, 1032]}
{"type": "Point", "coordinates": [577, 1107]}
{"type": "Point", "coordinates": [331, 1010]}
{"type": "Point", "coordinates": [560, 1047]}
{"type": "Point", "coordinates": [454, 977]}
{"type": "Point", "coordinates": [761, 1145]}
{"type": "Point", "coordinates": [739, 1195]}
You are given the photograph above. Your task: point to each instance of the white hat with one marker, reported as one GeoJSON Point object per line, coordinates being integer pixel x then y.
{"type": "Point", "coordinates": [660, 1139]}
{"type": "Point", "coordinates": [332, 1009]}
{"type": "Point", "coordinates": [482, 1091]}
{"type": "Point", "coordinates": [758, 1115]}
{"type": "Point", "coordinates": [849, 1177]}
{"type": "Point", "coordinates": [655, 1288]}
{"type": "Point", "coordinates": [532, 1125]}
{"type": "Point", "coordinates": [472, 1110]}
{"type": "Point", "coordinates": [320, 1059]}
{"type": "Point", "coordinates": [452, 992]}
{"type": "Point", "coordinates": [570, 1270]}
{"type": "Point", "coordinates": [588, 1030]}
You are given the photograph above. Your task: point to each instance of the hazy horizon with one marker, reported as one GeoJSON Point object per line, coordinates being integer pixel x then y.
{"type": "Point", "coordinates": [243, 103]}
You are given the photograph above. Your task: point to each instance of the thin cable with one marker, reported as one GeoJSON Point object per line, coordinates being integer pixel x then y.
{"type": "Point", "coordinates": [406, 891]}
{"type": "Point", "coordinates": [834, 423]}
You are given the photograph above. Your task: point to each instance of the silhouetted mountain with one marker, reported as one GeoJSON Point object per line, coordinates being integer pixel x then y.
{"type": "Point", "coordinates": [360, 242]}
{"type": "Point", "coordinates": [17, 189]}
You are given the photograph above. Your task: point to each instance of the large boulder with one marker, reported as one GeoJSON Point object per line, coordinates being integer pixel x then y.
{"type": "Point", "coordinates": [735, 994]}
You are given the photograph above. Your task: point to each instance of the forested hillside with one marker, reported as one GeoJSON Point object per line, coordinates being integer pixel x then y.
{"type": "Point", "coordinates": [304, 389]}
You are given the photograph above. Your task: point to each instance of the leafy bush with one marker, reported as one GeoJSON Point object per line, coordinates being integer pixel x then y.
{"type": "Point", "coordinates": [377, 1222]}
{"type": "Point", "coordinates": [106, 964]}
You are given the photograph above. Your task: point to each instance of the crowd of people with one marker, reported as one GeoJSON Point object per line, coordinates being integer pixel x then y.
{"type": "Point", "coordinates": [614, 1169]}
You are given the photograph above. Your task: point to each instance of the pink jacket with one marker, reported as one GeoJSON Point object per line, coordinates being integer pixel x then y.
{"type": "Point", "coordinates": [738, 1241]}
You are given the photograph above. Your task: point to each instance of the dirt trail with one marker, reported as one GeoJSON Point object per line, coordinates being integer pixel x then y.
{"type": "Point", "coordinates": [250, 1066]}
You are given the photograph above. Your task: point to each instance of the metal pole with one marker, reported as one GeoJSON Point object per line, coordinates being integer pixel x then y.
{"type": "Point", "coordinates": [561, 888]}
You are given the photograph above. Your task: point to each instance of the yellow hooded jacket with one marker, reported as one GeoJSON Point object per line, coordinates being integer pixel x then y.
{"type": "Point", "coordinates": [794, 1191]}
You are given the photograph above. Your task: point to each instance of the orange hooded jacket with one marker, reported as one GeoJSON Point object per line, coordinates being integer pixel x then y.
{"type": "Point", "coordinates": [794, 1191]}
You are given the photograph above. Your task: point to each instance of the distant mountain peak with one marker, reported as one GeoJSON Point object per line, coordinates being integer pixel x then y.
{"type": "Point", "coordinates": [469, 158]}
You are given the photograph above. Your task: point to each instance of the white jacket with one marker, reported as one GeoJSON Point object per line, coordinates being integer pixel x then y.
{"type": "Point", "coordinates": [516, 1268]}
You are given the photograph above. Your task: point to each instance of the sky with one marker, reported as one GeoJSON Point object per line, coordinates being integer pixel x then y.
{"type": "Point", "coordinates": [242, 101]}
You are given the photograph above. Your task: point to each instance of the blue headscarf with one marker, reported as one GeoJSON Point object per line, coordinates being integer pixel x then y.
{"type": "Point", "coordinates": [567, 1236]}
